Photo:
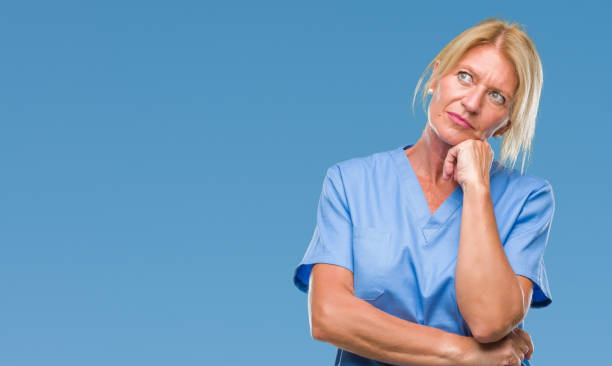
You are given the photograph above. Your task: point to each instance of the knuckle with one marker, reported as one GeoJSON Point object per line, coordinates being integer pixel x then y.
{"type": "Point", "coordinates": [512, 361]}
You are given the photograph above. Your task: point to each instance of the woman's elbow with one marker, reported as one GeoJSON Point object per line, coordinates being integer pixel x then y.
{"type": "Point", "coordinates": [317, 333]}
{"type": "Point", "coordinates": [493, 331]}
{"type": "Point", "coordinates": [317, 327]}
{"type": "Point", "coordinates": [321, 316]}
{"type": "Point", "coordinates": [488, 335]}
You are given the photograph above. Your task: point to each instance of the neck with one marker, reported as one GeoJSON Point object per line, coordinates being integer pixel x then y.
{"type": "Point", "coordinates": [427, 157]}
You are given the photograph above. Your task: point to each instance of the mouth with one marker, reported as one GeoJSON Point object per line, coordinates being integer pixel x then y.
{"type": "Point", "coordinates": [459, 120]}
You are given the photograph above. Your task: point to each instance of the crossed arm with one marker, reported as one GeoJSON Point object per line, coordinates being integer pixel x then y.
{"type": "Point", "coordinates": [344, 320]}
{"type": "Point", "coordinates": [491, 298]}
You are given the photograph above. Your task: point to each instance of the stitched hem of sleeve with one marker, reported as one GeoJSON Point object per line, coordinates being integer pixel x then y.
{"type": "Point", "coordinates": [301, 275]}
{"type": "Point", "coordinates": [539, 297]}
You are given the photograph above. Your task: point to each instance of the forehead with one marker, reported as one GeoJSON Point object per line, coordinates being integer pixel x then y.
{"type": "Point", "coordinates": [490, 67]}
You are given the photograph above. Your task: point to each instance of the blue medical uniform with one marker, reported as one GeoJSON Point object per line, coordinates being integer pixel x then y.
{"type": "Point", "coordinates": [373, 219]}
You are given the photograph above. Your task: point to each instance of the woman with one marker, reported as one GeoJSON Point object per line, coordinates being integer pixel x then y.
{"type": "Point", "coordinates": [431, 253]}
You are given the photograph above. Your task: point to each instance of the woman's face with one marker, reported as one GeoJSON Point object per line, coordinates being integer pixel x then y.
{"type": "Point", "coordinates": [479, 90]}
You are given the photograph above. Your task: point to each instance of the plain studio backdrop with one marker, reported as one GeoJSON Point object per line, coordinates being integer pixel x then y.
{"type": "Point", "coordinates": [162, 162]}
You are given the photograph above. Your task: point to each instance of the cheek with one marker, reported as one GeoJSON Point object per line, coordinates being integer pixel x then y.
{"type": "Point", "coordinates": [447, 93]}
{"type": "Point", "coordinates": [437, 101]}
{"type": "Point", "coordinates": [435, 110]}
{"type": "Point", "coordinates": [499, 120]}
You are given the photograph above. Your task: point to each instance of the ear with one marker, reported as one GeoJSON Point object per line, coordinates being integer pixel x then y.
{"type": "Point", "coordinates": [502, 130]}
{"type": "Point", "coordinates": [435, 66]}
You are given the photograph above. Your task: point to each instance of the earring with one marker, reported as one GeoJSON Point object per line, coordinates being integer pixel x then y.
{"type": "Point", "coordinates": [430, 91]}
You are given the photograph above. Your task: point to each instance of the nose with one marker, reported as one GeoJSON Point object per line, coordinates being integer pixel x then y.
{"type": "Point", "coordinates": [472, 99]}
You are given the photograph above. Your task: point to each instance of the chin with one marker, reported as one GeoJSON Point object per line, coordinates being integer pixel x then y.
{"type": "Point", "coordinates": [448, 131]}
{"type": "Point", "coordinates": [449, 135]}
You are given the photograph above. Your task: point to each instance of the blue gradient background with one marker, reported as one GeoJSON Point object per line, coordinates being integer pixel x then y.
{"type": "Point", "coordinates": [162, 162]}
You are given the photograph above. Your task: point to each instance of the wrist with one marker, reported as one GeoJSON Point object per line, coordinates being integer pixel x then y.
{"type": "Point", "coordinates": [476, 187]}
{"type": "Point", "coordinates": [457, 349]}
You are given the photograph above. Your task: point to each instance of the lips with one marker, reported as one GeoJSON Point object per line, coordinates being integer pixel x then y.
{"type": "Point", "coordinates": [459, 120]}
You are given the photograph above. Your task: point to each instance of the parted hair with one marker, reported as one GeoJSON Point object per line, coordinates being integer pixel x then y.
{"type": "Point", "coordinates": [512, 41]}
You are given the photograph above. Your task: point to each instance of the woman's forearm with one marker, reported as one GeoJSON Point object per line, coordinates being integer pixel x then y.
{"type": "Point", "coordinates": [354, 325]}
{"type": "Point", "coordinates": [489, 295]}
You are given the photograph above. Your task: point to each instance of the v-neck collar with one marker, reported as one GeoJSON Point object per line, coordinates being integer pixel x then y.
{"type": "Point", "coordinates": [429, 223]}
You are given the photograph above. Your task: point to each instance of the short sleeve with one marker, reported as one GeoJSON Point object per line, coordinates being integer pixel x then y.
{"type": "Point", "coordinates": [528, 239]}
{"type": "Point", "coordinates": [332, 239]}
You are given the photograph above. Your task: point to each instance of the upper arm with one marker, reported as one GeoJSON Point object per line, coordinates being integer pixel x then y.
{"type": "Point", "coordinates": [527, 289]}
{"type": "Point", "coordinates": [329, 279]}
{"type": "Point", "coordinates": [328, 283]}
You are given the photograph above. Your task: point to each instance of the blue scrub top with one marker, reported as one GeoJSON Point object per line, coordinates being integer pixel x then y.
{"type": "Point", "coordinates": [373, 219]}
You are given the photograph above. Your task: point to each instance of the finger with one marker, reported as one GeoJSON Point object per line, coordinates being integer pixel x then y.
{"type": "Point", "coordinates": [527, 338]}
{"type": "Point", "coordinates": [523, 342]}
{"type": "Point", "coordinates": [448, 172]}
{"type": "Point", "coordinates": [449, 163]}
{"type": "Point", "coordinates": [518, 352]}
{"type": "Point", "coordinates": [530, 352]}
{"type": "Point", "coordinates": [525, 351]}
{"type": "Point", "coordinates": [518, 360]}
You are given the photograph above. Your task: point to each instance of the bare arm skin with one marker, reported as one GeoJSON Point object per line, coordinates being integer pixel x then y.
{"type": "Point", "coordinates": [340, 318]}
{"type": "Point", "coordinates": [492, 299]}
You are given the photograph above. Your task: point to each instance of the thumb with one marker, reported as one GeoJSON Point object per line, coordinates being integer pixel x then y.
{"type": "Point", "coordinates": [449, 162]}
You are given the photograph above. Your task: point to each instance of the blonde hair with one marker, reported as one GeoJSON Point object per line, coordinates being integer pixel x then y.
{"type": "Point", "coordinates": [512, 41]}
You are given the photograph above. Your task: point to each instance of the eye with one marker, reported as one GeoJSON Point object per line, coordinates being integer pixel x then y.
{"type": "Point", "coordinates": [464, 76]}
{"type": "Point", "coordinates": [498, 97]}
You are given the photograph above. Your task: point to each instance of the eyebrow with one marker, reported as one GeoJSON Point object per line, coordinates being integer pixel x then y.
{"type": "Point", "coordinates": [463, 66]}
